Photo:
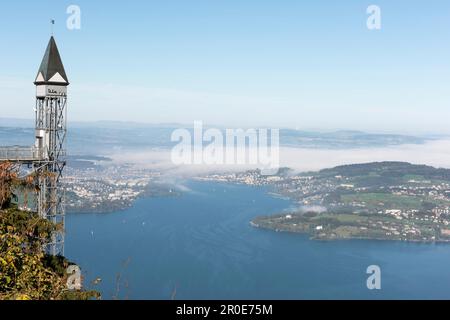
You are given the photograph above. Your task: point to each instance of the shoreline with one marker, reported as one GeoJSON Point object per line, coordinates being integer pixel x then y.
{"type": "Point", "coordinates": [331, 239]}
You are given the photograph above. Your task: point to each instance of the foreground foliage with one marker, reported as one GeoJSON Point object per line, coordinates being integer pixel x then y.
{"type": "Point", "coordinates": [26, 272]}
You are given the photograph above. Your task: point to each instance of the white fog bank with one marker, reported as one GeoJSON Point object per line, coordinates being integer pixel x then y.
{"type": "Point", "coordinates": [434, 153]}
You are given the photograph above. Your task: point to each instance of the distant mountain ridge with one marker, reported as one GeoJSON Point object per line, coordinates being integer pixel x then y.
{"type": "Point", "coordinates": [104, 136]}
{"type": "Point", "coordinates": [389, 169]}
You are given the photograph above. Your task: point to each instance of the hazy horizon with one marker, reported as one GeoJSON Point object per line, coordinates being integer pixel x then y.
{"type": "Point", "coordinates": [252, 64]}
{"type": "Point", "coordinates": [120, 124]}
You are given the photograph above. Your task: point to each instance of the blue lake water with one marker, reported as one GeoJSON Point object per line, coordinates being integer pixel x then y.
{"type": "Point", "coordinates": [201, 246]}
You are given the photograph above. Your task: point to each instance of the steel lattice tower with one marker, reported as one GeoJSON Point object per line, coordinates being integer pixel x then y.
{"type": "Point", "coordinates": [47, 158]}
{"type": "Point", "coordinates": [51, 129]}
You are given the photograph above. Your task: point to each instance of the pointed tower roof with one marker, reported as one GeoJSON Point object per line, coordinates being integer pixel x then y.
{"type": "Point", "coordinates": [51, 71]}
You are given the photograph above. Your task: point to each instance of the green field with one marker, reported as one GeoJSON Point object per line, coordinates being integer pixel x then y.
{"type": "Point", "coordinates": [343, 218]}
{"type": "Point", "coordinates": [389, 201]}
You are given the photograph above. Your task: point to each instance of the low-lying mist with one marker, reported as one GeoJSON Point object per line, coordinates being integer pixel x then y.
{"type": "Point", "coordinates": [433, 153]}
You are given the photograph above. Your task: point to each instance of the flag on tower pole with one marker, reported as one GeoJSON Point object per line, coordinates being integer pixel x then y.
{"type": "Point", "coordinates": [52, 21]}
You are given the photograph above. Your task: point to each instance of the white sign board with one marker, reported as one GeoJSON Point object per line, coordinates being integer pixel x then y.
{"type": "Point", "coordinates": [51, 91]}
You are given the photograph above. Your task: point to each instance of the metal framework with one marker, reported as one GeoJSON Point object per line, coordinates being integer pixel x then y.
{"type": "Point", "coordinates": [47, 162]}
{"type": "Point", "coordinates": [47, 158]}
{"type": "Point", "coordinates": [51, 114]}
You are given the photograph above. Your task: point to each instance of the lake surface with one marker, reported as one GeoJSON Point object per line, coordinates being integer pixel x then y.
{"type": "Point", "coordinates": [201, 246]}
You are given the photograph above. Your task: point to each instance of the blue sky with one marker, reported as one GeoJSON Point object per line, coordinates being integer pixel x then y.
{"type": "Point", "coordinates": [305, 64]}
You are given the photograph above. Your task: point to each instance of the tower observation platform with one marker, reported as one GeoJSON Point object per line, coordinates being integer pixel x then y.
{"type": "Point", "coordinates": [25, 155]}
